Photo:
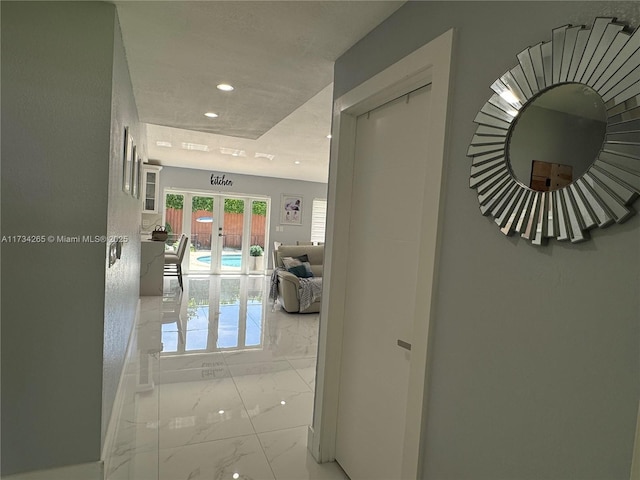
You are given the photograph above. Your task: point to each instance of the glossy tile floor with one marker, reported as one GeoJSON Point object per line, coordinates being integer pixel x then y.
{"type": "Point", "coordinates": [218, 385]}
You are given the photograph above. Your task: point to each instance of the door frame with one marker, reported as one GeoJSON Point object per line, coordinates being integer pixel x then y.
{"type": "Point", "coordinates": [429, 64]}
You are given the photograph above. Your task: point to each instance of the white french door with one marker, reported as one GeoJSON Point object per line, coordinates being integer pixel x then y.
{"type": "Point", "coordinates": [221, 230]}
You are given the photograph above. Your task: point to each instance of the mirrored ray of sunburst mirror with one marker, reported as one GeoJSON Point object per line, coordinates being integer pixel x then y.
{"type": "Point", "coordinates": [557, 147]}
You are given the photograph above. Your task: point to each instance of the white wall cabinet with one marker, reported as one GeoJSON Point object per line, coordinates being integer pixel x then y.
{"type": "Point", "coordinates": [150, 188]}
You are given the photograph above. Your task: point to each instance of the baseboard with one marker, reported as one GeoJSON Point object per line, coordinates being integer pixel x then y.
{"type": "Point", "coordinates": [112, 428]}
{"type": "Point", "coordinates": [313, 444]}
{"type": "Point", "coordinates": [84, 471]}
{"type": "Point", "coordinates": [635, 457]}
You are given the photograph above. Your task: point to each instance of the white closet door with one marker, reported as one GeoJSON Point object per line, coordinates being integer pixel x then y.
{"type": "Point", "coordinates": [389, 174]}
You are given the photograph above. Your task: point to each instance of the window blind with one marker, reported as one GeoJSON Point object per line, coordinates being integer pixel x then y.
{"type": "Point", "coordinates": [318, 219]}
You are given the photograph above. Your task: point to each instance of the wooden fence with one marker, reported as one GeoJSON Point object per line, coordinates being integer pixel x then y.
{"type": "Point", "coordinates": [201, 231]}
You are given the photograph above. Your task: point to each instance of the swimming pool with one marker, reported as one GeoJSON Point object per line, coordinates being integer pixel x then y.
{"type": "Point", "coordinates": [233, 260]}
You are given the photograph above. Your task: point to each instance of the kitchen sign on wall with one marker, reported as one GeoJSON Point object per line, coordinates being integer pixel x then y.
{"type": "Point", "coordinates": [220, 180]}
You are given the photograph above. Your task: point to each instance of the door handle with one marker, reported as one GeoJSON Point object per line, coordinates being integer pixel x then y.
{"type": "Point", "coordinates": [403, 344]}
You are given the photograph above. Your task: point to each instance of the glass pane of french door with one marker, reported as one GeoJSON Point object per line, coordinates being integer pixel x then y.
{"type": "Point", "coordinates": [255, 311]}
{"type": "Point", "coordinates": [202, 228]}
{"type": "Point", "coordinates": [232, 235]}
{"type": "Point", "coordinates": [174, 214]}
{"type": "Point", "coordinates": [197, 321]}
{"type": "Point", "coordinates": [229, 313]}
{"type": "Point", "coordinates": [258, 227]}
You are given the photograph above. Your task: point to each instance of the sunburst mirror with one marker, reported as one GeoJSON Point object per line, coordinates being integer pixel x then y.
{"type": "Point", "coordinates": [557, 148]}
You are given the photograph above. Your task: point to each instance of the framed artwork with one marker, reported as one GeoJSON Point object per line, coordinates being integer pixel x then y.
{"type": "Point", "coordinates": [291, 210]}
{"type": "Point", "coordinates": [135, 174]}
{"type": "Point", "coordinates": [139, 177]}
{"type": "Point", "coordinates": [127, 161]}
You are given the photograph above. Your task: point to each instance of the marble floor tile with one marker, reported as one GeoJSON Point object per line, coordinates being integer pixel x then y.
{"type": "Point", "coordinates": [272, 414]}
{"type": "Point", "coordinates": [140, 466]}
{"type": "Point", "coordinates": [257, 355]}
{"type": "Point", "coordinates": [195, 412]}
{"type": "Point", "coordinates": [287, 453]}
{"type": "Point", "coordinates": [136, 435]}
{"type": "Point", "coordinates": [295, 338]}
{"type": "Point", "coordinates": [274, 394]}
{"type": "Point", "coordinates": [282, 340]}
{"type": "Point", "coordinates": [259, 369]}
{"type": "Point", "coordinates": [193, 367]}
{"type": "Point", "coordinates": [306, 368]}
{"type": "Point", "coordinates": [219, 460]}
{"type": "Point", "coordinates": [194, 360]}
{"type": "Point", "coordinates": [144, 466]}
{"type": "Point", "coordinates": [233, 403]}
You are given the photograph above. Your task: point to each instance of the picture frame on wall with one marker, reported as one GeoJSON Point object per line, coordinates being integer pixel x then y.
{"type": "Point", "coordinates": [127, 161]}
{"type": "Point", "coordinates": [135, 174]}
{"type": "Point", "coordinates": [291, 209]}
{"type": "Point", "coordinates": [139, 177]}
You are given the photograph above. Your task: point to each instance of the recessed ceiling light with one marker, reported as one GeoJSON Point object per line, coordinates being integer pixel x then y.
{"type": "Point", "coordinates": [195, 146]}
{"type": "Point", "coordinates": [164, 144]}
{"type": "Point", "coordinates": [211, 115]}
{"type": "Point", "coordinates": [297, 162]}
{"type": "Point", "coordinates": [225, 87]}
{"type": "Point", "coordinates": [265, 155]}
{"type": "Point", "coordinates": [329, 136]}
{"type": "Point", "coordinates": [233, 152]}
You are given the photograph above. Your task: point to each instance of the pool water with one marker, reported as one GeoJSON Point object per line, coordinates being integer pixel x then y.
{"type": "Point", "coordinates": [233, 260]}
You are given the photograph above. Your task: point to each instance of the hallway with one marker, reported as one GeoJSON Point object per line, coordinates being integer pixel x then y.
{"type": "Point", "coordinates": [224, 392]}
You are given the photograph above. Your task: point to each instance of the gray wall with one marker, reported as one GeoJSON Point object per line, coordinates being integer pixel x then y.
{"type": "Point", "coordinates": [534, 367]}
{"type": "Point", "coordinates": [122, 280]}
{"type": "Point", "coordinates": [183, 178]}
{"type": "Point", "coordinates": [57, 80]}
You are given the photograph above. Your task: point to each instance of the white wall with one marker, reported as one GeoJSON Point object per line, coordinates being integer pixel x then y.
{"type": "Point", "coordinates": [199, 180]}
{"type": "Point", "coordinates": [57, 163]}
{"type": "Point", "coordinates": [535, 355]}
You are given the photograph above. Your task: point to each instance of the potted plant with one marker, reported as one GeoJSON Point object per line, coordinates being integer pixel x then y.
{"type": "Point", "coordinates": [257, 260]}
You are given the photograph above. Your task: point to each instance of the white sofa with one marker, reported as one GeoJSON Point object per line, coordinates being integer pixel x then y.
{"type": "Point", "coordinates": [289, 284]}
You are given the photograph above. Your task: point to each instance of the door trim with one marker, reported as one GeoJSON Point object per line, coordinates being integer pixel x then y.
{"type": "Point", "coordinates": [635, 456]}
{"type": "Point", "coordinates": [430, 64]}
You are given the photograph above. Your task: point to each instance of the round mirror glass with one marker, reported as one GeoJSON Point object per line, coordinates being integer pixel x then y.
{"type": "Point", "coordinates": [557, 136]}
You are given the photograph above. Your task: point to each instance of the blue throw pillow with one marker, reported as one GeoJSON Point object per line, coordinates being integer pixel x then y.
{"type": "Point", "coordinates": [300, 271]}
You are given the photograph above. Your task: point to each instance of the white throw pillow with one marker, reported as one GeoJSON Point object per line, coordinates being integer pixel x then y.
{"type": "Point", "coordinates": [290, 262]}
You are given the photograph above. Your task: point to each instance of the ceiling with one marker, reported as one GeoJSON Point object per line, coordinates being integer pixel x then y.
{"type": "Point", "coordinates": [278, 55]}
